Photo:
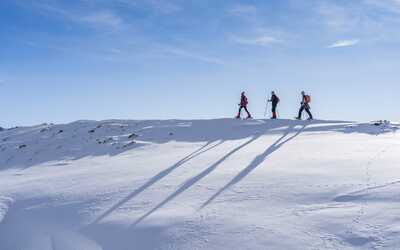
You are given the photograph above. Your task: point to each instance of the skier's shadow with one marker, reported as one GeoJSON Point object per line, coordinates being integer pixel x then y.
{"type": "Point", "coordinates": [256, 162]}
{"type": "Point", "coordinates": [157, 178]}
{"type": "Point", "coordinates": [189, 183]}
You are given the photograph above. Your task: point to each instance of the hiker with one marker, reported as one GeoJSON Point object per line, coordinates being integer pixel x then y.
{"type": "Point", "coordinates": [243, 105]}
{"type": "Point", "coordinates": [305, 105]}
{"type": "Point", "coordinates": [274, 100]}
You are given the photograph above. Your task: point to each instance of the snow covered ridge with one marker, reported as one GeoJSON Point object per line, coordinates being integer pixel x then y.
{"type": "Point", "coordinates": [28, 146]}
{"type": "Point", "coordinates": [200, 184]}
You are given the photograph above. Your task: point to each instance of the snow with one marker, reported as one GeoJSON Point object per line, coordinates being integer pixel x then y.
{"type": "Point", "coordinates": [200, 184]}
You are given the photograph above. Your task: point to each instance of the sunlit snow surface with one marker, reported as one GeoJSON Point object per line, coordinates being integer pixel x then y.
{"type": "Point", "coordinates": [200, 184]}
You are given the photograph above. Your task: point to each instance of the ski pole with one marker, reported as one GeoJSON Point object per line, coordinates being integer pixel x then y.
{"type": "Point", "coordinates": [266, 109]}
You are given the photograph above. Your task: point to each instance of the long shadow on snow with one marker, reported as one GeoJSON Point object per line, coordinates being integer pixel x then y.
{"type": "Point", "coordinates": [157, 178]}
{"type": "Point", "coordinates": [186, 185]}
{"type": "Point", "coordinates": [257, 161]}
{"type": "Point", "coordinates": [189, 183]}
{"type": "Point", "coordinates": [25, 147]}
{"type": "Point", "coordinates": [28, 146]}
{"type": "Point", "coordinates": [256, 134]}
{"type": "Point", "coordinates": [362, 193]}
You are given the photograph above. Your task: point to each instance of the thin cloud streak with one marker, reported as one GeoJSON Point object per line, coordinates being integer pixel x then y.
{"type": "Point", "coordinates": [344, 43]}
{"type": "Point", "coordinates": [195, 56]}
{"type": "Point", "coordinates": [242, 10]}
{"type": "Point", "coordinates": [99, 19]}
{"type": "Point", "coordinates": [388, 5]}
{"type": "Point", "coordinates": [103, 19]}
{"type": "Point", "coordinates": [373, 20]}
{"type": "Point", "coordinates": [340, 18]}
{"type": "Point", "coordinates": [258, 41]}
{"type": "Point", "coordinates": [164, 7]}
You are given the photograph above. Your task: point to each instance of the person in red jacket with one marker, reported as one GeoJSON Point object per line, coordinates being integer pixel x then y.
{"type": "Point", "coordinates": [305, 105]}
{"type": "Point", "coordinates": [243, 105]}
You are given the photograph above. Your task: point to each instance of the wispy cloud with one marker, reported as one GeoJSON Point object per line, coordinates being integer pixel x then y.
{"type": "Point", "coordinates": [4, 81]}
{"type": "Point", "coordinates": [344, 43]}
{"type": "Point", "coordinates": [264, 40]}
{"type": "Point", "coordinates": [165, 7]}
{"type": "Point", "coordinates": [339, 18]}
{"type": "Point", "coordinates": [242, 10]}
{"type": "Point", "coordinates": [102, 19]}
{"type": "Point", "coordinates": [388, 5]}
{"type": "Point", "coordinates": [193, 55]}
{"type": "Point", "coordinates": [367, 18]}
{"type": "Point", "coordinates": [99, 18]}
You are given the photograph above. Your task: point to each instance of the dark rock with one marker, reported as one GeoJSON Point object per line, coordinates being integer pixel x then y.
{"type": "Point", "coordinates": [109, 139]}
{"type": "Point", "coordinates": [132, 136]}
{"type": "Point", "coordinates": [22, 146]}
{"type": "Point", "coordinates": [129, 144]}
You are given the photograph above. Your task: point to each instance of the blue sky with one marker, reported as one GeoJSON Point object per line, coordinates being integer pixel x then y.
{"type": "Point", "coordinates": [62, 61]}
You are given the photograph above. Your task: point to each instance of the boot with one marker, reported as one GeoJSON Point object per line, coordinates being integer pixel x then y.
{"type": "Point", "coordinates": [238, 115]}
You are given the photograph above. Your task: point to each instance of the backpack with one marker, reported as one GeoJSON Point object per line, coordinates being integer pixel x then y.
{"type": "Point", "coordinates": [307, 99]}
{"type": "Point", "coordinates": [274, 98]}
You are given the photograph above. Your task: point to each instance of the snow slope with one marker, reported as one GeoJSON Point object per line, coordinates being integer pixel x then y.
{"type": "Point", "coordinates": [200, 184]}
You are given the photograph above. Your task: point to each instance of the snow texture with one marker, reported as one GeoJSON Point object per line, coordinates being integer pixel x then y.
{"type": "Point", "coordinates": [200, 184]}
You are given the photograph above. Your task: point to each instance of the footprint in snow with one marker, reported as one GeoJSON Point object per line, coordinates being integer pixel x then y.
{"type": "Point", "coordinates": [357, 240]}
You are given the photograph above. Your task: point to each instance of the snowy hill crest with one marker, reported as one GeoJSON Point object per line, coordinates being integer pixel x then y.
{"type": "Point", "coordinates": [45, 143]}
{"type": "Point", "coordinates": [197, 184]}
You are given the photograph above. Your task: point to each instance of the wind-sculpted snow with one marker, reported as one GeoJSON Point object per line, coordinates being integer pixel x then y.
{"type": "Point", "coordinates": [200, 184]}
{"type": "Point", "coordinates": [5, 203]}
{"type": "Point", "coordinates": [24, 147]}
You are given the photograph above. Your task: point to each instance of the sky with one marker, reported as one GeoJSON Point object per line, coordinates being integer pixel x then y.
{"type": "Point", "coordinates": [62, 61]}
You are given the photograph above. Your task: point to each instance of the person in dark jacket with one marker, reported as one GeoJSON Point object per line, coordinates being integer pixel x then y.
{"type": "Point", "coordinates": [274, 100]}
{"type": "Point", "coordinates": [305, 105]}
{"type": "Point", "coordinates": [243, 105]}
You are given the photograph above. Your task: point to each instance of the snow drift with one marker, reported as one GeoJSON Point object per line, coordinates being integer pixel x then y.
{"type": "Point", "coordinates": [200, 184]}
